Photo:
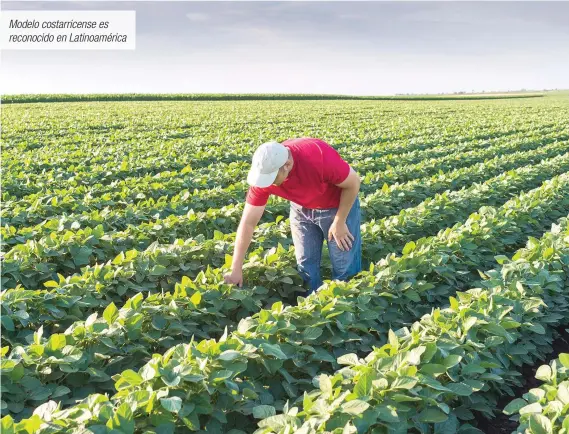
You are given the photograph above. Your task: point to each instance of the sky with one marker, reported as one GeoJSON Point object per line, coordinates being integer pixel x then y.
{"type": "Point", "coordinates": [357, 48]}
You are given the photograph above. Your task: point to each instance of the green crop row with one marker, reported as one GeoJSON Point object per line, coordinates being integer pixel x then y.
{"type": "Point", "coordinates": [162, 267]}
{"type": "Point", "coordinates": [37, 207]}
{"type": "Point", "coordinates": [108, 171]}
{"type": "Point", "coordinates": [545, 409]}
{"type": "Point", "coordinates": [99, 179]}
{"type": "Point", "coordinates": [146, 179]}
{"type": "Point", "coordinates": [398, 196]}
{"type": "Point", "coordinates": [390, 234]}
{"type": "Point", "coordinates": [153, 271]}
{"type": "Point", "coordinates": [372, 302]}
{"type": "Point", "coordinates": [42, 98]}
{"type": "Point", "coordinates": [181, 133]}
{"type": "Point", "coordinates": [433, 374]}
{"type": "Point", "coordinates": [129, 166]}
{"type": "Point", "coordinates": [385, 202]}
{"type": "Point", "coordinates": [36, 262]}
{"type": "Point", "coordinates": [112, 134]}
{"type": "Point", "coordinates": [424, 374]}
{"type": "Point", "coordinates": [428, 167]}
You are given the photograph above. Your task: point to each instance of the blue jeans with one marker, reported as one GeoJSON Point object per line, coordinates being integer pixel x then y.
{"type": "Point", "coordinates": [309, 229]}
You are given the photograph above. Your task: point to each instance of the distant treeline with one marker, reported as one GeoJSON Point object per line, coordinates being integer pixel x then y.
{"type": "Point", "coordinates": [30, 98]}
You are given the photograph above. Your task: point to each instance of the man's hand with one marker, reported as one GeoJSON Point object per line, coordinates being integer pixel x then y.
{"type": "Point", "coordinates": [251, 216]}
{"type": "Point", "coordinates": [341, 234]}
{"type": "Point", "coordinates": [234, 278]}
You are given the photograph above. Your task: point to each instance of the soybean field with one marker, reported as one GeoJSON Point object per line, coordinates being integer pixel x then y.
{"type": "Point", "coordinates": [119, 221]}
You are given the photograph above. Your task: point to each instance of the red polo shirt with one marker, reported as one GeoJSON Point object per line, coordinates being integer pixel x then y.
{"type": "Point", "coordinates": [316, 168]}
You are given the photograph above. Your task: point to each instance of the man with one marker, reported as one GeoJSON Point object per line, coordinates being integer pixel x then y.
{"type": "Point", "coordinates": [323, 191]}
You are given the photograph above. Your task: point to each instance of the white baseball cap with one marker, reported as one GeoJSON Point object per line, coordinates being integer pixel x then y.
{"type": "Point", "coordinates": [267, 160]}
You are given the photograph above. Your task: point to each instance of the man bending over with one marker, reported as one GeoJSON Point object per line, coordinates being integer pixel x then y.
{"type": "Point", "coordinates": [323, 193]}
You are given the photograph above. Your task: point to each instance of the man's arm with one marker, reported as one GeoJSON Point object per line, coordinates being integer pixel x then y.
{"type": "Point", "coordinates": [251, 216]}
{"type": "Point", "coordinates": [339, 229]}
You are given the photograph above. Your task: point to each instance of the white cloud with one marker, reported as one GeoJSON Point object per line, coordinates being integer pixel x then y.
{"type": "Point", "coordinates": [351, 16]}
{"type": "Point", "coordinates": [197, 16]}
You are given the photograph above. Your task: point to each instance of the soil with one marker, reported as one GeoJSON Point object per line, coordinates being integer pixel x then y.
{"type": "Point", "coordinates": [502, 424]}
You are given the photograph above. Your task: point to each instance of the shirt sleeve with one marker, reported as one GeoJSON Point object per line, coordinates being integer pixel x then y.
{"type": "Point", "coordinates": [257, 196]}
{"type": "Point", "coordinates": [335, 170]}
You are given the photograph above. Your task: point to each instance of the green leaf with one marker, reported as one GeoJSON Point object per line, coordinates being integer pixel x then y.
{"type": "Point", "coordinates": [192, 422]}
{"type": "Point", "coordinates": [245, 324]}
{"type": "Point", "coordinates": [409, 247]}
{"type": "Point", "coordinates": [433, 369]}
{"type": "Point", "coordinates": [81, 255]}
{"type": "Point", "coordinates": [469, 323]}
{"type": "Point", "coordinates": [412, 295]}
{"type": "Point", "coordinates": [400, 397]}
{"type": "Point", "coordinates": [263, 411]}
{"type": "Point", "coordinates": [431, 382]}
{"type": "Point", "coordinates": [222, 374]}
{"type": "Point", "coordinates": [531, 408]}
{"type": "Point", "coordinates": [229, 355]}
{"type": "Point", "coordinates": [325, 383]}
{"type": "Point", "coordinates": [403, 383]}
{"type": "Point", "coordinates": [322, 355]}
{"type": "Point", "coordinates": [158, 270]}
{"type": "Point", "coordinates": [432, 415]}
{"type": "Point", "coordinates": [363, 386]}
{"type": "Point", "coordinates": [348, 359]}
{"type": "Point", "coordinates": [228, 261]}
{"type": "Point", "coordinates": [355, 407]}
{"type": "Point", "coordinates": [473, 368]}
{"type": "Point", "coordinates": [460, 389]}
{"type": "Point", "coordinates": [45, 410]}
{"type": "Point", "coordinates": [564, 359]}
{"type": "Point", "coordinates": [8, 323]}
{"type": "Point", "coordinates": [450, 426]}
{"type": "Point", "coordinates": [454, 304]}
{"type": "Point", "coordinates": [172, 404]}
{"type": "Point", "coordinates": [534, 395]}
{"type": "Point", "coordinates": [393, 341]}
{"type": "Point", "coordinates": [159, 322]}
{"type": "Point", "coordinates": [413, 357]}
{"type": "Point", "coordinates": [196, 298]}
{"type": "Point", "coordinates": [430, 350]}
{"type": "Point", "coordinates": [537, 328]}
{"type": "Point", "coordinates": [312, 333]}
{"type": "Point", "coordinates": [452, 360]}
{"type": "Point", "coordinates": [39, 393]}
{"type": "Point", "coordinates": [147, 372]}
{"type": "Point", "coordinates": [31, 425]}
{"type": "Point", "coordinates": [56, 342]}
{"type": "Point", "coordinates": [563, 392]}
{"type": "Point", "coordinates": [501, 259]}
{"type": "Point", "coordinates": [275, 422]}
{"type": "Point", "coordinates": [60, 391]}
{"type": "Point", "coordinates": [540, 424]}
{"type": "Point", "coordinates": [122, 420]}
{"type": "Point", "coordinates": [543, 373]}
{"type": "Point", "coordinates": [132, 377]}
{"type": "Point", "coordinates": [273, 350]}
{"type": "Point", "coordinates": [514, 406]}
{"type": "Point", "coordinates": [111, 313]}
{"type": "Point", "coordinates": [7, 424]}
